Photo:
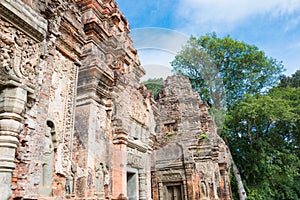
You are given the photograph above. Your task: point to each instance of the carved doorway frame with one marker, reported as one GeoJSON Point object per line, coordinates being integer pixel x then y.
{"type": "Point", "coordinates": [134, 175]}
{"type": "Point", "coordinates": [173, 186]}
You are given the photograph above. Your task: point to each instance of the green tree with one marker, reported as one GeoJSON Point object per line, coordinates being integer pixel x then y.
{"type": "Point", "coordinates": [154, 85]}
{"type": "Point", "coordinates": [226, 69]}
{"type": "Point", "coordinates": [293, 81]}
{"type": "Point", "coordinates": [289, 82]}
{"type": "Point", "coordinates": [262, 133]}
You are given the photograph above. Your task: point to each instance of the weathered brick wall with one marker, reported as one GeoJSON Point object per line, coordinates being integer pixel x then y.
{"type": "Point", "coordinates": [114, 117]}
{"type": "Point", "coordinates": [44, 45]}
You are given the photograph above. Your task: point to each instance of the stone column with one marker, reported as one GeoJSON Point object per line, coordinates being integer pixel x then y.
{"type": "Point", "coordinates": [185, 190]}
{"type": "Point", "coordinates": [142, 185]}
{"type": "Point", "coordinates": [187, 181]}
{"type": "Point", "coordinates": [161, 190]}
{"type": "Point", "coordinates": [119, 187]}
{"type": "Point", "coordinates": [12, 106]}
{"type": "Point", "coordinates": [225, 185]}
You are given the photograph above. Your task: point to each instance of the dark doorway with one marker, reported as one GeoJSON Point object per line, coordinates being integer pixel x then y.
{"type": "Point", "coordinates": [132, 186]}
{"type": "Point", "coordinates": [174, 192]}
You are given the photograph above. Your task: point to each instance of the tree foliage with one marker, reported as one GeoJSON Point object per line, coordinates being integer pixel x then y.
{"type": "Point", "coordinates": [154, 85]}
{"type": "Point", "coordinates": [262, 132]}
{"type": "Point", "coordinates": [226, 69]}
{"type": "Point", "coordinates": [293, 81]}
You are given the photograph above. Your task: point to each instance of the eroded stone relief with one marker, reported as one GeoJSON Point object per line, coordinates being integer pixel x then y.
{"type": "Point", "coordinates": [20, 54]}
{"type": "Point", "coordinates": [47, 164]}
{"type": "Point", "coordinates": [62, 96]}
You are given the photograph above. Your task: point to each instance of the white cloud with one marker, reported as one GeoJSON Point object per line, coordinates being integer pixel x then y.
{"type": "Point", "coordinates": [229, 13]}
{"type": "Point", "coordinates": [156, 71]}
{"type": "Point", "coordinates": [158, 38]}
{"type": "Point", "coordinates": [292, 23]}
{"type": "Point", "coordinates": [157, 47]}
{"type": "Point", "coordinates": [294, 46]}
{"type": "Point", "coordinates": [155, 56]}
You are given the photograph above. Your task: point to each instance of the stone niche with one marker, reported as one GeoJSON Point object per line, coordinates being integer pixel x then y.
{"type": "Point", "coordinates": [184, 166]}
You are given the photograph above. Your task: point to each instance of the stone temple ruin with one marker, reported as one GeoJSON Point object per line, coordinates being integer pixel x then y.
{"type": "Point", "coordinates": [75, 122]}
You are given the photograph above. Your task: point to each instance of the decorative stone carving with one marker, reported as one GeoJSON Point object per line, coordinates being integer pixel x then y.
{"type": "Point", "coordinates": [19, 54]}
{"type": "Point", "coordinates": [172, 177]}
{"type": "Point", "coordinates": [134, 160]}
{"type": "Point", "coordinates": [12, 106]}
{"type": "Point", "coordinates": [203, 190]}
{"type": "Point", "coordinates": [199, 161]}
{"type": "Point", "coordinates": [70, 182]}
{"type": "Point", "coordinates": [54, 11]}
{"type": "Point", "coordinates": [102, 179]}
{"type": "Point", "coordinates": [139, 108]}
{"type": "Point", "coordinates": [62, 97]}
{"type": "Point", "coordinates": [47, 165]}
{"type": "Point", "coordinates": [142, 185]}
{"type": "Point", "coordinates": [99, 183]}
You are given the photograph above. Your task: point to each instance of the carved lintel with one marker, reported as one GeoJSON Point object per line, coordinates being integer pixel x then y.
{"type": "Point", "coordinates": [140, 147]}
{"type": "Point", "coordinates": [19, 57]}
{"type": "Point", "coordinates": [135, 158]}
{"type": "Point", "coordinates": [24, 18]}
{"type": "Point", "coordinates": [171, 176]}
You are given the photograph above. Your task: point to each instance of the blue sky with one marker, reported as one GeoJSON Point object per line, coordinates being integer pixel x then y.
{"type": "Point", "coordinates": [161, 27]}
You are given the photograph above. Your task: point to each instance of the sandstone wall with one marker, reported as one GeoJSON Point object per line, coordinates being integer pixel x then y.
{"type": "Point", "coordinates": [53, 52]}
{"type": "Point", "coordinates": [190, 160]}
{"type": "Point", "coordinates": [75, 123]}
{"type": "Point", "coordinates": [41, 44]}
{"type": "Point", "coordinates": [114, 117]}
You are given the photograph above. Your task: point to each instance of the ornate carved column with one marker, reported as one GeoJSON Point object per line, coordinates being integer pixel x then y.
{"type": "Point", "coordinates": [225, 189]}
{"type": "Point", "coordinates": [12, 105]}
{"type": "Point", "coordinates": [142, 184]}
{"type": "Point", "coordinates": [161, 190]}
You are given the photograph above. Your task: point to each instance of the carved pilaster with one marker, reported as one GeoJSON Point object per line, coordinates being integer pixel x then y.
{"type": "Point", "coordinates": [12, 105]}
{"type": "Point", "coordinates": [61, 102]}
{"type": "Point", "coordinates": [119, 189]}
{"type": "Point", "coordinates": [142, 185]}
{"type": "Point", "coordinates": [161, 190]}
